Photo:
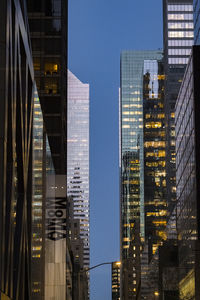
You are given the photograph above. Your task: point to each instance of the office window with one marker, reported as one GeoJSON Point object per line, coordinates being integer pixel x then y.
{"type": "Point", "coordinates": [180, 43]}
{"type": "Point", "coordinates": [183, 25]}
{"type": "Point", "coordinates": [180, 34]}
{"type": "Point", "coordinates": [180, 16]}
{"type": "Point", "coordinates": [180, 7]}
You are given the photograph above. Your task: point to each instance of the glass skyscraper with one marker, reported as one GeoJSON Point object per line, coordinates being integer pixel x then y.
{"type": "Point", "coordinates": [154, 155]}
{"type": "Point", "coordinates": [134, 66]}
{"type": "Point", "coordinates": [178, 39]}
{"type": "Point", "coordinates": [78, 156]}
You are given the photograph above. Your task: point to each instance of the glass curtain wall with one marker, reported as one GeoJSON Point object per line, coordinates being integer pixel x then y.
{"type": "Point", "coordinates": [132, 167]}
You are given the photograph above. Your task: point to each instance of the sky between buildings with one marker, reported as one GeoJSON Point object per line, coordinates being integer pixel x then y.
{"type": "Point", "coordinates": [98, 31]}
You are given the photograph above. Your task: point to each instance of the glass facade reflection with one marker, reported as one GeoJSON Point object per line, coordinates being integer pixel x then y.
{"type": "Point", "coordinates": [178, 39]}
{"type": "Point", "coordinates": [196, 4]}
{"type": "Point", "coordinates": [154, 154]}
{"type": "Point", "coordinates": [78, 156]}
{"type": "Point", "coordinates": [187, 178]}
{"type": "Point", "coordinates": [132, 166]}
{"type": "Point", "coordinates": [37, 202]}
{"type": "Point", "coordinates": [16, 148]}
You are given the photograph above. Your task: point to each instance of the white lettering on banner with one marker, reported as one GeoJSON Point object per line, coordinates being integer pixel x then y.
{"type": "Point", "coordinates": [56, 227]}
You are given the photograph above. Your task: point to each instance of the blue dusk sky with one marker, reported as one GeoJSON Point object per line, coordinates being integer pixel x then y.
{"type": "Point", "coordinates": [98, 31]}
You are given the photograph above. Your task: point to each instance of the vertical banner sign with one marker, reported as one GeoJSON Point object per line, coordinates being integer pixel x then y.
{"type": "Point", "coordinates": [55, 240]}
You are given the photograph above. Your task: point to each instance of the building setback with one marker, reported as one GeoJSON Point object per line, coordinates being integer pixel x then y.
{"type": "Point", "coordinates": [178, 39]}
{"type": "Point", "coordinates": [78, 157]}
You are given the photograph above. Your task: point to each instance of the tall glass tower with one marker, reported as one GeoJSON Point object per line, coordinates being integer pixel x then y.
{"type": "Point", "coordinates": [134, 67]}
{"type": "Point", "coordinates": [178, 39]}
{"type": "Point", "coordinates": [78, 156]}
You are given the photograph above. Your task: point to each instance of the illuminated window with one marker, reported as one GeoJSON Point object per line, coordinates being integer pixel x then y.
{"type": "Point", "coordinates": [180, 43]}
{"type": "Point", "coordinates": [180, 16]}
{"type": "Point", "coordinates": [161, 77]}
{"type": "Point", "coordinates": [180, 7]}
{"type": "Point", "coordinates": [50, 68]}
{"type": "Point", "coordinates": [154, 144]}
{"type": "Point", "coordinates": [153, 125]}
{"type": "Point", "coordinates": [183, 25]}
{"type": "Point", "coordinates": [178, 60]}
{"type": "Point", "coordinates": [179, 51]}
{"type": "Point", "coordinates": [180, 34]}
{"type": "Point", "coordinates": [160, 153]}
{"type": "Point", "coordinates": [172, 133]}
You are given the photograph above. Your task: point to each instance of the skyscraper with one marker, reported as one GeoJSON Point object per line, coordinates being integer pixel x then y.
{"type": "Point", "coordinates": [48, 29]}
{"type": "Point", "coordinates": [187, 178]}
{"type": "Point", "coordinates": [134, 67]}
{"type": "Point", "coordinates": [154, 155]}
{"type": "Point", "coordinates": [116, 280]}
{"type": "Point", "coordinates": [178, 39]}
{"type": "Point", "coordinates": [16, 124]}
{"type": "Point", "coordinates": [78, 157]}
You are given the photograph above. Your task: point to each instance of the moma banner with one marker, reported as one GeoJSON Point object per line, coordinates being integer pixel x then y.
{"type": "Point", "coordinates": [55, 238]}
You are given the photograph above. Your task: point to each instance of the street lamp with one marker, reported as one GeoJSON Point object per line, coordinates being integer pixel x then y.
{"type": "Point", "coordinates": [96, 266]}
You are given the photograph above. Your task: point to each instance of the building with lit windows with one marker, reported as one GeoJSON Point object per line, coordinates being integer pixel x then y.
{"type": "Point", "coordinates": [154, 154]}
{"type": "Point", "coordinates": [17, 88]}
{"type": "Point", "coordinates": [187, 179]}
{"type": "Point", "coordinates": [48, 32]}
{"type": "Point", "coordinates": [34, 252]}
{"type": "Point", "coordinates": [142, 148]}
{"type": "Point", "coordinates": [116, 280]}
{"type": "Point", "coordinates": [178, 39]}
{"type": "Point", "coordinates": [78, 157]}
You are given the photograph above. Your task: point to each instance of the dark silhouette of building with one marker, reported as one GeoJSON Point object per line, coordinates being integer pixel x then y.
{"type": "Point", "coordinates": [187, 178]}
{"type": "Point", "coordinates": [17, 88]}
{"type": "Point", "coordinates": [32, 251]}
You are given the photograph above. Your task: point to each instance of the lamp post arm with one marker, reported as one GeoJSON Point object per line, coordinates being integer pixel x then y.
{"type": "Point", "coordinates": [96, 266]}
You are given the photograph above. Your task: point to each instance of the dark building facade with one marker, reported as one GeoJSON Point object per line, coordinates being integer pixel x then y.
{"type": "Point", "coordinates": [34, 256]}
{"type": "Point", "coordinates": [187, 179]}
{"type": "Point", "coordinates": [178, 39]}
{"type": "Point", "coordinates": [48, 29]}
{"type": "Point", "coordinates": [16, 125]}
